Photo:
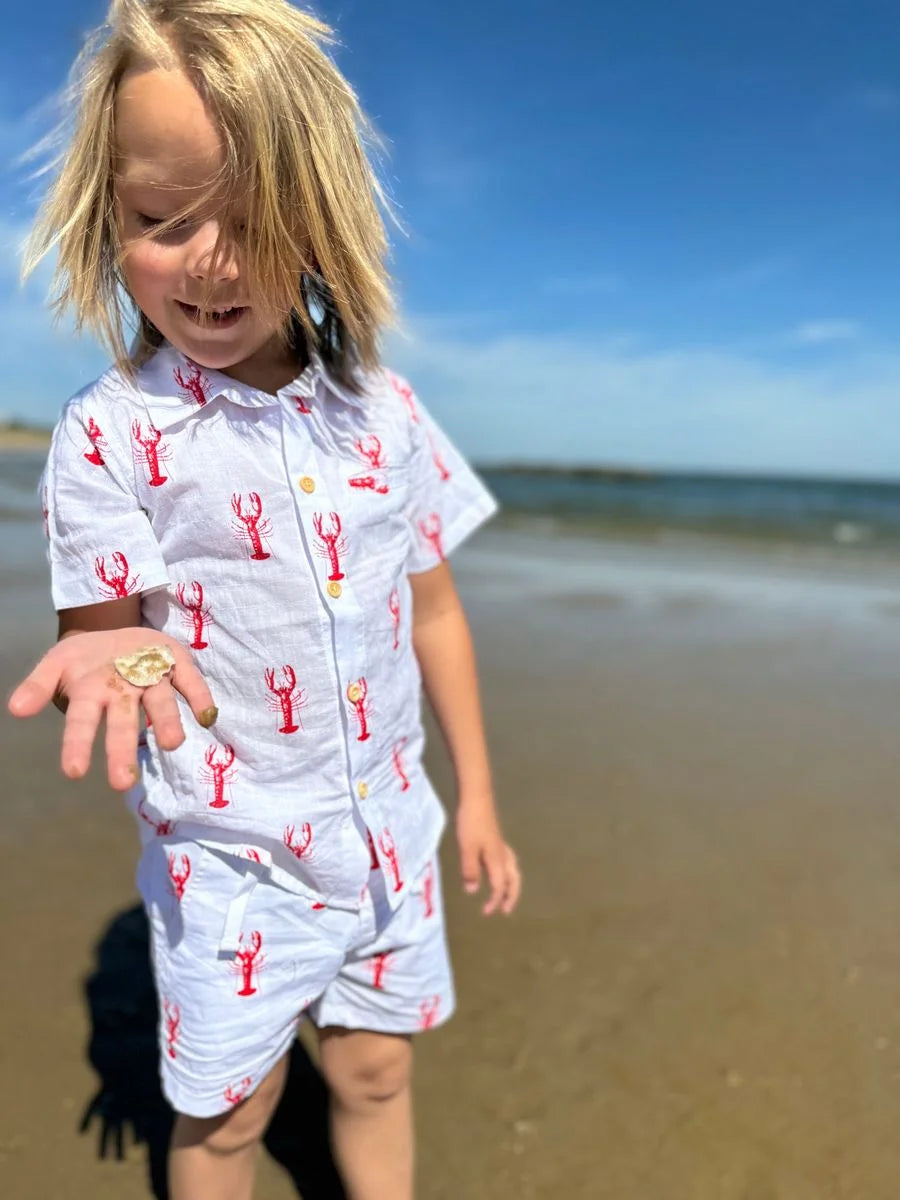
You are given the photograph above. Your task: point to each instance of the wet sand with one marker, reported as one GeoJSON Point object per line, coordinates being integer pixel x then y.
{"type": "Point", "coordinates": [697, 757]}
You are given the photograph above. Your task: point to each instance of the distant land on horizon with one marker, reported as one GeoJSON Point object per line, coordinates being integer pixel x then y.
{"type": "Point", "coordinates": [610, 473]}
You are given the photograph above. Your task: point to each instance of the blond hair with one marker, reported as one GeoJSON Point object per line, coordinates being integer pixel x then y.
{"type": "Point", "coordinates": [296, 163]}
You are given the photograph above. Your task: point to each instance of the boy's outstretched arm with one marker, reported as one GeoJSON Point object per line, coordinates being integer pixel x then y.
{"type": "Point", "coordinates": [78, 675]}
{"type": "Point", "coordinates": [443, 647]}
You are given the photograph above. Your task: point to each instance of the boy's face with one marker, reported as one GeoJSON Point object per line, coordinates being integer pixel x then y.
{"type": "Point", "coordinates": [168, 154]}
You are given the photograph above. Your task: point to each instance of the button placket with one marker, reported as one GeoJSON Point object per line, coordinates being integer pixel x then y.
{"type": "Point", "coordinates": [320, 515]}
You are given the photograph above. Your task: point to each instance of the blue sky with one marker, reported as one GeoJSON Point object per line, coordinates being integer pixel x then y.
{"type": "Point", "coordinates": [660, 234]}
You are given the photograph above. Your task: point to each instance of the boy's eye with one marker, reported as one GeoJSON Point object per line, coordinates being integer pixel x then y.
{"type": "Point", "coordinates": [153, 222]}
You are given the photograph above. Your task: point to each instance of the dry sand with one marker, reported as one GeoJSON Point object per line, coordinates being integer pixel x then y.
{"type": "Point", "coordinates": [697, 759]}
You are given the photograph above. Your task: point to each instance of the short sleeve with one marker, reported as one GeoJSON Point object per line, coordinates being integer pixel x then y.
{"type": "Point", "coordinates": [448, 501]}
{"type": "Point", "coordinates": [101, 545]}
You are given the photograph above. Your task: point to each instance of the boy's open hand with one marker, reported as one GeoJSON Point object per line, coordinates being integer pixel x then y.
{"type": "Point", "coordinates": [482, 845]}
{"type": "Point", "coordinates": [78, 674]}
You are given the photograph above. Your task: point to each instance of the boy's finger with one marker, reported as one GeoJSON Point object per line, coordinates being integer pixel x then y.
{"type": "Point", "coordinates": [82, 722]}
{"type": "Point", "coordinates": [513, 885]}
{"type": "Point", "coordinates": [496, 879]}
{"type": "Point", "coordinates": [122, 728]}
{"type": "Point", "coordinates": [36, 690]}
{"type": "Point", "coordinates": [470, 866]}
{"type": "Point", "coordinates": [187, 680]}
{"type": "Point", "coordinates": [162, 710]}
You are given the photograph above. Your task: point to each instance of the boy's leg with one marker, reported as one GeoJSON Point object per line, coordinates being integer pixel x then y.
{"type": "Point", "coordinates": [395, 981]}
{"type": "Point", "coordinates": [370, 1077]}
{"type": "Point", "coordinates": [214, 1158]}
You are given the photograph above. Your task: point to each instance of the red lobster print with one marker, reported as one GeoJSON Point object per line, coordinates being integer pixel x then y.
{"type": "Point", "coordinates": [301, 847]}
{"type": "Point", "coordinates": [302, 406]}
{"type": "Point", "coordinates": [286, 698]}
{"type": "Point", "coordinates": [115, 587]}
{"type": "Point", "coordinates": [371, 451]}
{"type": "Point", "coordinates": [98, 443]}
{"type": "Point", "coordinates": [234, 1095]}
{"type": "Point", "coordinates": [432, 530]}
{"type": "Point", "coordinates": [428, 1012]}
{"type": "Point", "coordinates": [173, 1024]}
{"type": "Point", "coordinates": [152, 453]}
{"type": "Point", "coordinates": [334, 544]}
{"type": "Point", "coordinates": [195, 614]}
{"type": "Point", "coordinates": [379, 964]}
{"type": "Point", "coordinates": [406, 393]}
{"type": "Point", "coordinates": [443, 470]}
{"type": "Point", "coordinates": [397, 755]}
{"type": "Point", "coordinates": [394, 606]}
{"type": "Point", "coordinates": [194, 388]}
{"type": "Point", "coordinates": [218, 773]}
{"type": "Point", "coordinates": [389, 850]}
{"type": "Point", "coordinates": [248, 959]}
{"type": "Point", "coordinates": [162, 828]}
{"type": "Point", "coordinates": [179, 877]}
{"type": "Point", "coordinates": [357, 694]}
{"type": "Point", "coordinates": [428, 890]}
{"type": "Point", "coordinates": [248, 526]}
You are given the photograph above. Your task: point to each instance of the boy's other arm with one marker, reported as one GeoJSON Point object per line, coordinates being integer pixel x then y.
{"type": "Point", "coordinates": [443, 646]}
{"type": "Point", "coordinates": [79, 676]}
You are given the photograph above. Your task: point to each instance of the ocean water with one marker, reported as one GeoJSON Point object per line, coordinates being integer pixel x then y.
{"type": "Point", "coordinates": [846, 518]}
{"type": "Point", "coordinates": [840, 516]}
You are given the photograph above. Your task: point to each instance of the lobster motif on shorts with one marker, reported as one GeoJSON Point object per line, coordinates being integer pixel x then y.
{"type": "Point", "coordinates": [248, 958]}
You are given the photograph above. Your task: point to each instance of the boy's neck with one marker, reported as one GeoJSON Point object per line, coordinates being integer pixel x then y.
{"type": "Point", "coordinates": [271, 368]}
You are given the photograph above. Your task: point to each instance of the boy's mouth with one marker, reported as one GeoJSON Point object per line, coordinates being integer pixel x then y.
{"type": "Point", "coordinates": [220, 317]}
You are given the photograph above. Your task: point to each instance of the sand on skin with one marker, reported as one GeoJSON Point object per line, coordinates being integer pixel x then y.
{"type": "Point", "coordinates": [698, 997]}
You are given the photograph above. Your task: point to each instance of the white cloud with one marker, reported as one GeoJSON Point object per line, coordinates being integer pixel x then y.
{"type": "Point", "coordinates": [817, 333]}
{"type": "Point", "coordinates": [562, 399]}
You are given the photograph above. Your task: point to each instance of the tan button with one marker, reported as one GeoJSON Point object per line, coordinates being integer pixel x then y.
{"type": "Point", "coordinates": [354, 691]}
{"type": "Point", "coordinates": [307, 484]}
{"type": "Point", "coordinates": [362, 790]}
{"type": "Point", "coordinates": [334, 588]}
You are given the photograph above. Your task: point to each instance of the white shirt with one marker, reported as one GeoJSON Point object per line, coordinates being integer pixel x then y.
{"type": "Point", "coordinates": [273, 536]}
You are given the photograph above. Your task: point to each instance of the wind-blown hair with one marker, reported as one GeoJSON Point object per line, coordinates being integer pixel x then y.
{"type": "Point", "coordinates": [296, 170]}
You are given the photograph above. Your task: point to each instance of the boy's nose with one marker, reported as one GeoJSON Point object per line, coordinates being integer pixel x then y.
{"type": "Point", "coordinates": [200, 262]}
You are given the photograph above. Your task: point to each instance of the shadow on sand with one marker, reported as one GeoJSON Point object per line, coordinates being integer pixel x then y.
{"type": "Point", "coordinates": [129, 1103]}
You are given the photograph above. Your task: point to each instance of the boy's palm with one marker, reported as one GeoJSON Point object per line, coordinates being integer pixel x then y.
{"type": "Point", "coordinates": [79, 671]}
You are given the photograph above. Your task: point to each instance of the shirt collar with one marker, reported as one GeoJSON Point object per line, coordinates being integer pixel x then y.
{"type": "Point", "coordinates": [174, 387]}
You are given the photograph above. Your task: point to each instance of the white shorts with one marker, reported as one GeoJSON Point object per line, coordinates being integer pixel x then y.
{"type": "Point", "coordinates": [239, 962]}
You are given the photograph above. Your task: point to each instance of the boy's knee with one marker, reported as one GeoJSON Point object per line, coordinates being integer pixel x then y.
{"type": "Point", "coordinates": [241, 1128]}
{"type": "Point", "coordinates": [367, 1069]}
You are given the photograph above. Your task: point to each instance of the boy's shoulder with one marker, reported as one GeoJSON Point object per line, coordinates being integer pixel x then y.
{"type": "Point", "coordinates": [387, 388]}
{"type": "Point", "coordinates": [112, 387]}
